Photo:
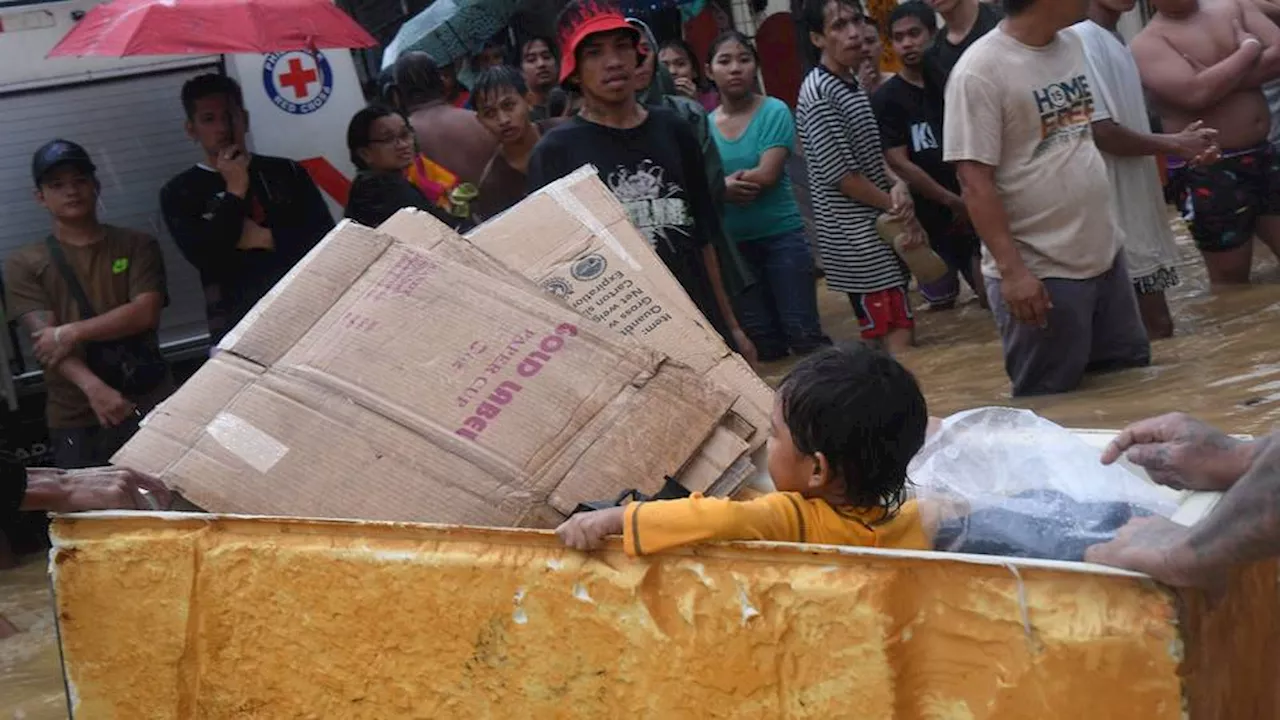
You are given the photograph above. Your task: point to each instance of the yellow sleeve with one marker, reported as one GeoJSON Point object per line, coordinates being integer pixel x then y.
{"type": "Point", "coordinates": [652, 527]}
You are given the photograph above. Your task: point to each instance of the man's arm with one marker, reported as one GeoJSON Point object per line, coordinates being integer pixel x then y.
{"type": "Point", "coordinates": [857, 187]}
{"type": "Point", "coordinates": [918, 179]}
{"type": "Point", "coordinates": [1172, 79]}
{"type": "Point", "coordinates": [1115, 139]}
{"type": "Point", "coordinates": [1244, 527]}
{"type": "Point", "coordinates": [1270, 8]}
{"type": "Point", "coordinates": [990, 219]}
{"type": "Point", "coordinates": [208, 243]}
{"type": "Point", "coordinates": [832, 163]}
{"type": "Point", "coordinates": [135, 317]}
{"type": "Point", "coordinates": [1257, 24]}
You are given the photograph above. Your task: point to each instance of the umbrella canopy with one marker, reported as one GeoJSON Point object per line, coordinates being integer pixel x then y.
{"type": "Point", "coordinates": [450, 29]}
{"type": "Point", "coordinates": [121, 28]}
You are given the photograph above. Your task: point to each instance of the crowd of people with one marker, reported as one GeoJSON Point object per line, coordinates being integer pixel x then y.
{"type": "Point", "coordinates": [1014, 142]}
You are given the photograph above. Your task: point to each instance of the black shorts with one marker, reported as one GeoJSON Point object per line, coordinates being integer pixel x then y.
{"type": "Point", "coordinates": [1223, 201]}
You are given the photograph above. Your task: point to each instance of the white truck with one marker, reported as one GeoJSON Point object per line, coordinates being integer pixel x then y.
{"type": "Point", "coordinates": [128, 113]}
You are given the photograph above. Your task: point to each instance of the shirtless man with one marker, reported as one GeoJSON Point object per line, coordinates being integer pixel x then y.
{"type": "Point", "coordinates": [1206, 60]}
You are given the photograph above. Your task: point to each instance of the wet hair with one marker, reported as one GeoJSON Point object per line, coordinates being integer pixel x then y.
{"type": "Point", "coordinates": [360, 130]}
{"type": "Point", "coordinates": [865, 413]}
{"type": "Point", "coordinates": [547, 39]}
{"type": "Point", "coordinates": [208, 85]}
{"type": "Point", "coordinates": [490, 83]}
{"type": "Point", "coordinates": [699, 77]}
{"type": "Point", "coordinates": [498, 41]}
{"type": "Point", "coordinates": [811, 17]}
{"type": "Point", "coordinates": [732, 36]}
{"type": "Point", "coordinates": [914, 9]}
{"type": "Point", "coordinates": [417, 78]}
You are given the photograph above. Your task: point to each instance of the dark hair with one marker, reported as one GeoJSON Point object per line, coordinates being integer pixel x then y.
{"type": "Point", "coordinates": [545, 39]}
{"type": "Point", "coordinates": [732, 36]}
{"type": "Point", "coordinates": [914, 9]}
{"type": "Point", "coordinates": [1015, 7]}
{"type": "Point", "coordinates": [865, 413]}
{"type": "Point", "coordinates": [811, 17]}
{"type": "Point", "coordinates": [699, 77]}
{"type": "Point", "coordinates": [498, 41]}
{"type": "Point", "coordinates": [490, 83]}
{"type": "Point", "coordinates": [417, 79]}
{"type": "Point", "coordinates": [208, 85]}
{"type": "Point", "coordinates": [360, 129]}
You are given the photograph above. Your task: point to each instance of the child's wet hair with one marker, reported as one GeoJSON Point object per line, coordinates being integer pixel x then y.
{"type": "Point", "coordinates": [865, 413]}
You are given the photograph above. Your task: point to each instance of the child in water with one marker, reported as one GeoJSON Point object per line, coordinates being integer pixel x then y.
{"type": "Point", "coordinates": [846, 423]}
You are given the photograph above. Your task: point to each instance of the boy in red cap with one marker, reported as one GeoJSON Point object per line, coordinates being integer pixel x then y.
{"type": "Point", "coordinates": [649, 157]}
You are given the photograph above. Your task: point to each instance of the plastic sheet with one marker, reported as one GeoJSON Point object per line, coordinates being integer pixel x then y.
{"type": "Point", "coordinates": [1004, 481]}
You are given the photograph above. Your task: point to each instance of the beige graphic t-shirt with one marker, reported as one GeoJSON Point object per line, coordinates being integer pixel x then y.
{"type": "Point", "coordinates": [1028, 112]}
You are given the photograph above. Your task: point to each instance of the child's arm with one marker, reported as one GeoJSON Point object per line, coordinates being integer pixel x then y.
{"type": "Point", "coordinates": [652, 527]}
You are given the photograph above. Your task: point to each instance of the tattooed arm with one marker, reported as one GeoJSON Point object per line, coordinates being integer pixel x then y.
{"type": "Point", "coordinates": [1245, 525]}
{"type": "Point", "coordinates": [110, 406]}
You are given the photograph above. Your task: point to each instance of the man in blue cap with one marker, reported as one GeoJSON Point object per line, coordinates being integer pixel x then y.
{"type": "Point", "coordinates": [90, 294]}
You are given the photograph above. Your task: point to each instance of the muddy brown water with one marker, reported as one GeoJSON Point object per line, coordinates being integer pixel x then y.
{"type": "Point", "coordinates": [1223, 364]}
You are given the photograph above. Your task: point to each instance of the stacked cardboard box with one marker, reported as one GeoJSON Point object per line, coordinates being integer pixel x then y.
{"type": "Point", "coordinates": [407, 375]}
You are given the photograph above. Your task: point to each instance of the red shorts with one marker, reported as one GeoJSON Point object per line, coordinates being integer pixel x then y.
{"type": "Point", "coordinates": [881, 312]}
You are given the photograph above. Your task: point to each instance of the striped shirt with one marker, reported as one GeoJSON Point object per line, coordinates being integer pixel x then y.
{"type": "Point", "coordinates": [838, 129]}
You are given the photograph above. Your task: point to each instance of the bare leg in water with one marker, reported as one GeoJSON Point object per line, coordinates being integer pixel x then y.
{"type": "Point", "coordinates": [1245, 525]}
{"type": "Point", "coordinates": [1229, 267]}
{"type": "Point", "coordinates": [1155, 315]}
{"type": "Point", "coordinates": [1269, 233]}
{"type": "Point", "coordinates": [899, 341]}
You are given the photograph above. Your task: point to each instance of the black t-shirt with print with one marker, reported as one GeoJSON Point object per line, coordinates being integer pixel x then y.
{"type": "Point", "coordinates": [905, 121]}
{"type": "Point", "coordinates": [656, 171]}
{"type": "Point", "coordinates": [941, 57]}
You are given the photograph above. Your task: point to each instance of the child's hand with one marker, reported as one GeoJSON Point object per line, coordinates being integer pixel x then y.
{"type": "Point", "coordinates": [587, 531]}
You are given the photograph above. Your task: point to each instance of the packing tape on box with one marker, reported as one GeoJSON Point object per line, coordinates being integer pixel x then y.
{"type": "Point", "coordinates": [242, 439]}
{"type": "Point", "coordinates": [574, 207]}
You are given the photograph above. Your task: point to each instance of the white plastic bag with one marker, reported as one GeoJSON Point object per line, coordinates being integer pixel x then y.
{"type": "Point", "coordinates": [1003, 481]}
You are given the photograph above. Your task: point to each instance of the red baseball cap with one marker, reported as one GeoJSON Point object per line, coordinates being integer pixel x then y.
{"type": "Point", "coordinates": [596, 19]}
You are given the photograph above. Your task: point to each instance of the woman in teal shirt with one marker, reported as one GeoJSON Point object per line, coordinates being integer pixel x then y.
{"type": "Point", "coordinates": [755, 134]}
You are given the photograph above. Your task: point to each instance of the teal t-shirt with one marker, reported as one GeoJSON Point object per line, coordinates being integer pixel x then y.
{"type": "Point", "coordinates": [775, 211]}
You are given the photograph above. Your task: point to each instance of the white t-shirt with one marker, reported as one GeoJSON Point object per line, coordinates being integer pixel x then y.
{"type": "Point", "coordinates": [1135, 181]}
{"type": "Point", "coordinates": [1027, 112]}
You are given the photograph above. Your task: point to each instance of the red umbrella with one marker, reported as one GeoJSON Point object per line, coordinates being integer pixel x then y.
{"type": "Point", "coordinates": [211, 27]}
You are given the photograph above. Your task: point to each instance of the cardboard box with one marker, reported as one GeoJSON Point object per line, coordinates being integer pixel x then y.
{"type": "Point", "coordinates": [574, 239]}
{"type": "Point", "coordinates": [196, 616]}
{"type": "Point", "coordinates": [421, 380]}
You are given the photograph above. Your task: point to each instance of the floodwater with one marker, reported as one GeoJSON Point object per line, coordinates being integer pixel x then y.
{"type": "Point", "coordinates": [1222, 365]}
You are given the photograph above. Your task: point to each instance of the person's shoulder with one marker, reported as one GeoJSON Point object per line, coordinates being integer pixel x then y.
{"type": "Point", "coordinates": [271, 163]}
{"type": "Point", "coordinates": [987, 53]}
{"type": "Point", "coordinates": [665, 113]}
{"type": "Point", "coordinates": [28, 258]}
{"type": "Point", "coordinates": [888, 91]}
{"type": "Point", "coordinates": [128, 237]}
{"type": "Point", "coordinates": [547, 125]}
{"type": "Point", "coordinates": [190, 176]}
{"type": "Point", "coordinates": [774, 106]}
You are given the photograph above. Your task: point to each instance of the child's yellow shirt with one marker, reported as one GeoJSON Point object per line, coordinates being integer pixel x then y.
{"type": "Point", "coordinates": [650, 527]}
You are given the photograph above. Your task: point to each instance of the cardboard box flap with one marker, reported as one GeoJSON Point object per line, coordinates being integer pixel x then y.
{"type": "Point", "coordinates": [703, 472]}
{"type": "Point", "coordinates": [424, 390]}
{"type": "Point", "coordinates": [289, 310]}
{"type": "Point", "coordinates": [573, 238]}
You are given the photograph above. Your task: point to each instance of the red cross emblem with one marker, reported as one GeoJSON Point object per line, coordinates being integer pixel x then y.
{"type": "Point", "coordinates": [299, 79]}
